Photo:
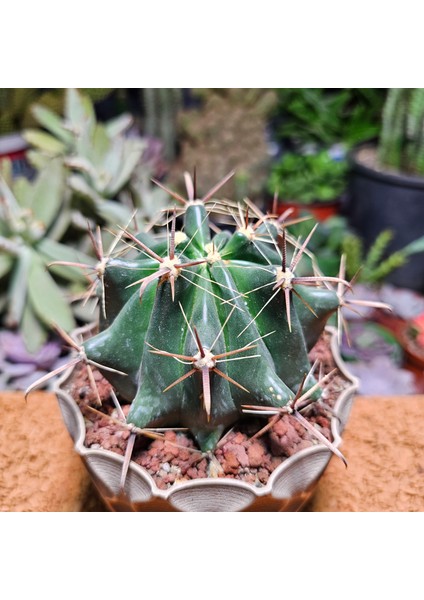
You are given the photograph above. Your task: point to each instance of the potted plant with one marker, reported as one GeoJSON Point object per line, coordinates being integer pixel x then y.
{"type": "Point", "coordinates": [370, 267]}
{"type": "Point", "coordinates": [309, 182]}
{"type": "Point", "coordinates": [387, 182]}
{"type": "Point", "coordinates": [210, 381]}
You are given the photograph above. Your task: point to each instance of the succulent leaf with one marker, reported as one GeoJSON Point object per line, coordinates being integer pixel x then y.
{"type": "Point", "coordinates": [6, 263]}
{"type": "Point", "coordinates": [18, 287]}
{"type": "Point", "coordinates": [45, 297]}
{"type": "Point", "coordinates": [33, 333]}
{"type": "Point", "coordinates": [47, 193]}
{"type": "Point", "coordinates": [53, 123]}
{"type": "Point", "coordinates": [44, 142]}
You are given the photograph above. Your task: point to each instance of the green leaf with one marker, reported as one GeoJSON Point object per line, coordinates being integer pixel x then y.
{"type": "Point", "coordinates": [6, 171]}
{"type": "Point", "coordinates": [47, 192]}
{"type": "Point", "coordinates": [54, 124]}
{"type": "Point", "coordinates": [46, 298]}
{"type": "Point", "coordinates": [113, 212]}
{"type": "Point", "coordinates": [82, 188]}
{"type": "Point", "coordinates": [79, 110]}
{"type": "Point", "coordinates": [34, 334]}
{"type": "Point", "coordinates": [62, 222]}
{"type": "Point", "coordinates": [133, 150]}
{"type": "Point", "coordinates": [45, 142]}
{"type": "Point", "coordinates": [79, 163]}
{"type": "Point", "coordinates": [414, 247]}
{"type": "Point", "coordinates": [100, 146]}
{"type": "Point", "coordinates": [8, 199]}
{"type": "Point", "coordinates": [54, 251]}
{"type": "Point", "coordinates": [17, 293]}
{"type": "Point", "coordinates": [116, 126]}
{"type": "Point", "coordinates": [23, 191]}
{"type": "Point", "coordinates": [6, 263]}
{"type": "Point", "coordinates": [37, 159]}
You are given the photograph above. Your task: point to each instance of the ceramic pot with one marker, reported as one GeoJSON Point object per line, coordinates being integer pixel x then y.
{"type": "Point", "coordinates": [289, 486]}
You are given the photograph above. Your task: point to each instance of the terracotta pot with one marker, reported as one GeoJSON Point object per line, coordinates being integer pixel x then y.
{"type": "Point", "coordinates": [321, 211]}
{"type": "Point", "coordinates": [413, 351]}
{"type": "Point", "coordinates": [288, 488]}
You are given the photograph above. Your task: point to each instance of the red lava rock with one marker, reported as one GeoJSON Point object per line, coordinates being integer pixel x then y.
{"type": "Point", "coordinates": [281, 427]}
{"type": "Point", "coordinates": [231, 460]}
{"type": "Point", "coordinates": [256, 453]}
{"type": "Point", "coordinates": [322, 421]}
{"type": "Point", "coordinates": [239, 438]}
{"type": "Point", "coordinates": [252, 462]}
{"type": "Point", "coordinates": [184, 455]}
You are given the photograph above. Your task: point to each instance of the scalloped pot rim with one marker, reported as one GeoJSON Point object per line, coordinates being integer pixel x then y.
{"type": "Point", "coordinates": [279, 486]}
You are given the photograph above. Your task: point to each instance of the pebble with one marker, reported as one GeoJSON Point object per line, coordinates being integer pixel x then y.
{"type": "Point", "coordinates": [247, 461]}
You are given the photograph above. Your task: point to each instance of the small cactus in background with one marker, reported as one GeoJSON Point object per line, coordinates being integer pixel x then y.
{"type": "Point", "coordinates": [401, 144]}
{"type": "Point", "coordinates": [198, 329]}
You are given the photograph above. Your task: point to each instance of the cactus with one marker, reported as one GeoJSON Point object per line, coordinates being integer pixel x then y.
{"type": "Point", "coordinates": [196, 326]}
{"type": "Point", "coordinates": [401, 144]}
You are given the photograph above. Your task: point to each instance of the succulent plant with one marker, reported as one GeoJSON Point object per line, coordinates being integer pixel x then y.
{"type": "Point", "coordinates": [401, 142]}
{"type": "Point", "coordinates": [196, 326]}
{"type": "Point", "coordinates": [19, 368]}
{"type": "Point", "coordinates": [100, 158]}
{"type": "Point", "coordinates": [33, 217]}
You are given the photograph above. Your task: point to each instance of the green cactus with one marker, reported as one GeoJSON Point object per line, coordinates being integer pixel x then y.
{"type": "Point", "coordinates": [195, 326]}
{"type": "Point", "coordinates": [401, 144]}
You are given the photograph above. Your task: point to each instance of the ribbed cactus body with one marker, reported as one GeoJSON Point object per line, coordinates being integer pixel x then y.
{"type": "Point", "coordinates": [401, 144]}
{"type": "Point", "coordinates": [225, 306]}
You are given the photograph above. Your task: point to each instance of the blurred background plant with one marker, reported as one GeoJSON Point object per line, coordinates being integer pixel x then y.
{"type": "Point", "coordinates": [224, 129]}
{"type": "Point", "coordinates": [85, 173]}
{"type": "Point", "coordinates": [320, 118]}
{"type": "Point", "coordinates": [314, 129]}
{"type": "Point", "coordinates": [334, 237]}
{"type": "Point", "coordinates": [34, 216]}
{"type": "Point", "coordinates": [401, 143]}
{"type": "Point", "coordinates": [16, 104]}
{"type": "Point", "coordinates": [310, 178]}
{"type": "Point", "coordinates": [102, 159]}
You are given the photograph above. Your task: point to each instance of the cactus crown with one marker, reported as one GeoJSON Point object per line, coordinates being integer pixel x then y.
{"type": "Point", "coordinates": [198, 325]}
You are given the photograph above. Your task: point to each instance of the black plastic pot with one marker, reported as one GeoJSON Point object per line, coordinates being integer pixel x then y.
{"type": "Point", "coordinates": [380, 200]}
